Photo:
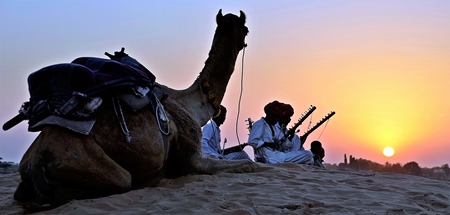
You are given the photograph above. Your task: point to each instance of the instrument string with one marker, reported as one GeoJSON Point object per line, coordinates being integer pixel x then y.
{"type": "Point", "coordinates": [323, 129]}
{"type": "Point", "coordinates": [310, 121]}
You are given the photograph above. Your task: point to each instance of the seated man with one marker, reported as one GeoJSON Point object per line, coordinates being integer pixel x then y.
{"type": "Point", "coordinates": [292, 143]}
{"type": "Point", "coordinates": [261, 136]}
{"type": "Point", "coordinates": [211, 139]}
{"type": "Point", "coordinates": [266, 138]}
{"type": "Point", "coordinates": [319, 153]}
{"type": "Point", "coordinates": [295, 142]}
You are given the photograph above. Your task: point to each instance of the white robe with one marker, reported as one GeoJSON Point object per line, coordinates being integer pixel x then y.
{"type": "Point", "coordinates": [262, 132]}
{"type": "Point", "coordinates": [279, 135]}
{"type": "Point", "coordinates": [211, 144]}
{"type": "Point", "coordinates": [211, 140]}
{"type": "Point", "coordinates": [292, 145]}
{"type": "Point", "coordinates": [295, 153]}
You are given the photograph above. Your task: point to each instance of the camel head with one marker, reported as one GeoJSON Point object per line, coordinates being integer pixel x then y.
{"type": "Point", "coordinates": [233, 27]}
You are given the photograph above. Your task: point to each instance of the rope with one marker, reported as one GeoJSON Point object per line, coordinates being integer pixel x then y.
{"type": "Point", "coordinates": [240, 95]}
{"type": "Point", "coordinates": [239, 101]}
{"type": "Point", "coordinates": [122, 123]}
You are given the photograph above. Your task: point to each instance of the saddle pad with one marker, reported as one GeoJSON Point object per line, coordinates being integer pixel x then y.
{"type": "Point", "coordinates": [111, 74]}
{"type": "Point", "coordinates": [82, 127]}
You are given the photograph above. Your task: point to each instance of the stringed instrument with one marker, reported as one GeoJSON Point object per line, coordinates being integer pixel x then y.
{"type": "Point", "coordinates": [302, 118]}
{"type": "Point", "coordinates": [250, 124]}
{"type": "Point", "coordinates": [240, 147]}
{"type": "Point", "coordinates": [308, 132]}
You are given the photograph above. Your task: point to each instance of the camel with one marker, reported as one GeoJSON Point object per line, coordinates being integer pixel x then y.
{"type": "Point", "coordinates": [61, 165]}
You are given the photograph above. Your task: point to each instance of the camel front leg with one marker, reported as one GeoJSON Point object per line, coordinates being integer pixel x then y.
{"type": "Point", "coordinates": [185, 149]}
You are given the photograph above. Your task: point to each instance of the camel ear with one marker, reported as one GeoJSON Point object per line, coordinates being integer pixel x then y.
{"type": "Point", "coordinates": [242, 16]}
{"type": "Point", "coordinates": [219, 16]}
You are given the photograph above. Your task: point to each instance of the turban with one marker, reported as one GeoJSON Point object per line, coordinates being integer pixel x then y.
{"type": "Point", "coordinates": [273, 107]}
{"type": "Point", "coordinates": [288, 111]}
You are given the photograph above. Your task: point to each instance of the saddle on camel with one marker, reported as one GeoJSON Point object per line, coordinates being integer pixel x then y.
{"type": "Point", "coordinates": [69, 94]}
{"type": "Point", "coordinates": [106, 126]}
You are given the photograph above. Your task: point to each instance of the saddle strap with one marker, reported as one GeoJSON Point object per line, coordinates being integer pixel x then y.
{"type": "Point", "coordinates": [121, 118]}
{"type": "Point", "coordinates": [158, 111]}
{"type": "Point", "coordinates": [161, 117]}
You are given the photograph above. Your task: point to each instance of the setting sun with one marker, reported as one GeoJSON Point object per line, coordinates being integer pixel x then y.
{"type": "Point", "coordinates": [384, 70]}
{"type": "Point", "coordinates": [388, 151]}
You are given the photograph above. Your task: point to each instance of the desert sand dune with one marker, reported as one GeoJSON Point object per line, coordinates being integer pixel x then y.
{"type": "Point", "coordinates": [272, 189]}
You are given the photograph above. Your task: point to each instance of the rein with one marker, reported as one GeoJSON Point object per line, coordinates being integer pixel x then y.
{"type": "Point", "coordinates": [205, 88]}
{"type": "Point", "coordinates": [240, 94]}
{"type": "Point", "coordinates": [204, 85]}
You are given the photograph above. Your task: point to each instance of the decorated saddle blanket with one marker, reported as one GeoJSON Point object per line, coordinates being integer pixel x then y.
{"type": "Point", "coordinates": [87, 75]}
{"type": "Point", "coordinates": [68, 94]}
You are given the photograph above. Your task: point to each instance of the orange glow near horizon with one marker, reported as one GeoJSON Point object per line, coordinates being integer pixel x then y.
{"type": "Point", "coordinates": [383, 67]}
{"type": "Point", "coordinates": [381, 98]}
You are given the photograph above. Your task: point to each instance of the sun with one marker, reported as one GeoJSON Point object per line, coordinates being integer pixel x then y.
{"type": "Point", "coordinates": [388, 151]}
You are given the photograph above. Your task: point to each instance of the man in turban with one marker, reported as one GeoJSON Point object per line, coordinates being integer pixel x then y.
{"type": "Point", "coordinates": [291, 146]}
{"type": "Point", "coordinates": [211, 139]}
{"type": "Point", "coordinates": [262, 135]}
{"type": "Point", "coordinates": [266, 138]}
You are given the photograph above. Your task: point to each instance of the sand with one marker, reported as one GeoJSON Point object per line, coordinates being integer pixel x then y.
{"type": "Point", "coordinates": [272, 189]}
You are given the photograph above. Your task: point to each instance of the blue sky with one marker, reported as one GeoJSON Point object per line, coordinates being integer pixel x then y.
{"type": "Point", "coordinates": [301, 52]}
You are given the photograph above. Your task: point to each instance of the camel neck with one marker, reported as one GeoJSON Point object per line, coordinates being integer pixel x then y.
{"type": "Point", "coordinates": [202, 102]}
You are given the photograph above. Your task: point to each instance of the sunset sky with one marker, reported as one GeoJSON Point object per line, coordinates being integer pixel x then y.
{"type": "Point", "coordinates": [382, 66]}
